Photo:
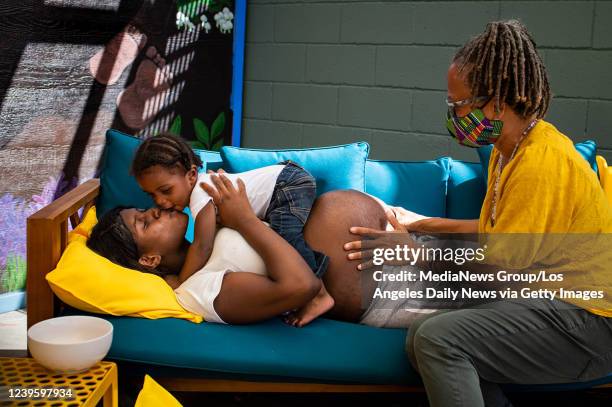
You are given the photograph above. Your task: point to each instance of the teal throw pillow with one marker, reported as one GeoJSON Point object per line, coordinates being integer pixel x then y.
{"type": "Point", "coordinates": [335, 167]}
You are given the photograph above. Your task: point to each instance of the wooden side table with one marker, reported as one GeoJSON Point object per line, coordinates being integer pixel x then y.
{"type": "Point", "coordinates": [23, 382]}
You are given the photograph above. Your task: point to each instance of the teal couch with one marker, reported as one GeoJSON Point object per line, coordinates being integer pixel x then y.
{"type": "Point", "coordinates": [325, 351]}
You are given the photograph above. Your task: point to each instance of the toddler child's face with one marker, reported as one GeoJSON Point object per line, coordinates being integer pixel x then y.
{"type": "Point", "coordinates": [170, 188]}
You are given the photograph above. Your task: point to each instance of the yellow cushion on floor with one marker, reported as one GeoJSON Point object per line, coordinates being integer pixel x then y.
{"type": "Point", "coordinates": [92, 283]}
{"type": "Point", "coordinates": [154, 395]}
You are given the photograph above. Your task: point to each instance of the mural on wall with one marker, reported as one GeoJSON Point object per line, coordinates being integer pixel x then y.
{"type": "Point", "coordinates": [71, 69]}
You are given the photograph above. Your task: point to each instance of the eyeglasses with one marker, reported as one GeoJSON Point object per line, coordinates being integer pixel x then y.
{"type": "Point", "coordinates": [465, 102]}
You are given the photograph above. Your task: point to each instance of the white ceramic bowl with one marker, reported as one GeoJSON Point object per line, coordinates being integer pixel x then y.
{"type": "Point", "coordinates": [70, 344]}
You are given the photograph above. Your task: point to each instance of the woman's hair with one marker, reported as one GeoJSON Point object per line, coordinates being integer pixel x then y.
{"type": "Point", "coordinates": [503, 63]}
{"type": "Point", "coordinates": [112, 239]}
{"type": "Point", "coordinates": [166, 150]}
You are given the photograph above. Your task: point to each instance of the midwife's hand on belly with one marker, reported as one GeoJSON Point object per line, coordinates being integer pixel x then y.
{"type": "Point", "coordinates": [374, 242]}
{"type": "Point", "coordinates": [408, 219]}
{"type": "Point", "coordinates": [420, 226]}
{"type": "Point", "coordinates": [233, 207]}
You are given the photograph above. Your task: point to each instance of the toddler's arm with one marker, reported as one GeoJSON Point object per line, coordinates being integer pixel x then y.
{"type": "Point", "coordinates": [204, 236]}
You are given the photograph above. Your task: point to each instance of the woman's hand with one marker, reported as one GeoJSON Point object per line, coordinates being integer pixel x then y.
{"type": "Point", "coordinates": [418, 226]}
{"type": "Point", "coordinates": [411, 221]}
{"type": "Point", "coordinates": [443, 225]}
{"type": "Point", "coordinates": [219, 171]}
{"type": "Point", "coordinates": [232, 204]}
{"type": "Point", "coordinates": [373, 238]}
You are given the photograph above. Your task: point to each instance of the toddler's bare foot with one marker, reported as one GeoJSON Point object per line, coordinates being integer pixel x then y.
{"type": "Point", "coordinates": [318, 306]}
{"type": "Point", "coordinates": [107, 65]}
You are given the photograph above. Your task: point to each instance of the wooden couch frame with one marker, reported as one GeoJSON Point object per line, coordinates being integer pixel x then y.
{"type": "Point", "coordinates": [47, 232]}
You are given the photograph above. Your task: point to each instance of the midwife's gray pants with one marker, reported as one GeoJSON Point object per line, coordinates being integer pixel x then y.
{"type": "Point", "coordinates": [462, 354]}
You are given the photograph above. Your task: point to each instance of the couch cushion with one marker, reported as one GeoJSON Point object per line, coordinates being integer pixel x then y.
{"type": "Point", "coordinates": [211, 159]}
{"type": "Point", "coordinates": [324, 350]}
{"type": "Point", "coordinates": [273, 351]}
{"type": "Point", "coordinates": [466, 190]}
{"type": "Point", "coordinates": [335, 167]}
{"type": "Point", "coordinates": [588, 150]}
{"type": "Point", "coordinates": [117, 186]}
{"type": "Point", "coordinates": [416, 186]}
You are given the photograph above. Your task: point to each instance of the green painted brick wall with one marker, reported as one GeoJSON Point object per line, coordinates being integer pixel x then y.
{"type": "Point", "coordinates": [322, 72]}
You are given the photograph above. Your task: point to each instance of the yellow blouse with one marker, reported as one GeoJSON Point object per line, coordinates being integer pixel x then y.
{"type": "Point", "coordinates": [548, 188]}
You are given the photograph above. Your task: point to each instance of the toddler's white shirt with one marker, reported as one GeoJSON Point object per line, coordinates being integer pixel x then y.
{"type": "Point", "coordinates": [259, 185]}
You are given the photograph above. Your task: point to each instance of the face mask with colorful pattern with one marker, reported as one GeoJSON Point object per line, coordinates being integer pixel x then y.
{"type": "Point", "coordinates": [473, 130]}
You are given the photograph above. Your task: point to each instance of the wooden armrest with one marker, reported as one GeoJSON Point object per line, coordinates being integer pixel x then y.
{"type": "Point", "coordinates": [68, 204]}
{"type": "Point", "coordinates": [47, 232]}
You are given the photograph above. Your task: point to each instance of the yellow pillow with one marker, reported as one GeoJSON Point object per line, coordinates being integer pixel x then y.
{"type": "Point", "coordinates": [154, 395]}
{"type": "Point", "coordinates": [90, 282]}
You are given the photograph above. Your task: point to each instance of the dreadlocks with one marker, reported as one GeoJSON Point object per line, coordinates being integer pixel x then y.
{"type": "Point", "coordinates": [166, 150]}
{"type": "Point", "coordinates": [503, 63]}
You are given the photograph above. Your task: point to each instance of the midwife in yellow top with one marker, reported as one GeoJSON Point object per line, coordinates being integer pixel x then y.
{"type": "Point", "coordinates": [539, 183]}
{"type": "Point", "coordinates": [498, 93]}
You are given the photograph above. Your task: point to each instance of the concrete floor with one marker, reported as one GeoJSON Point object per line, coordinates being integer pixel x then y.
{"type": "Point", "coordinates": [13, 332]}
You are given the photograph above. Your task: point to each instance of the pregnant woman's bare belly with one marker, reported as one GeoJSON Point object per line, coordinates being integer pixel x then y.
{"type": "Point", "coordinates": [327, 231]}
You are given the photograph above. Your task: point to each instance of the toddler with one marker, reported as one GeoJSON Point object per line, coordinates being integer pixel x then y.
{"type": "Point", "coordinates": [167, 169]}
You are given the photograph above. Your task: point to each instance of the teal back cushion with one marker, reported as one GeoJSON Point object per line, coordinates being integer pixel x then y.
{"type": "Point", "coordinates": [117, 186]}
{"type": "Point", "coordinates": [211, 159]}
{"type": "Point", "coordinates": [417, 186]}
{"type": "Point", "coordinates": [466, 190]}
{"type": "Point", "coordinates": [587, 149]}
{"type": "Point", "coordinates": [336, 167]}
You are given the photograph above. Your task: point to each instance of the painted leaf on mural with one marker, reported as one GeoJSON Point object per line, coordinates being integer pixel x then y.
{"type": "Point", "coordinates": [15, 274]}
{"type": "Point", "coordinates": [14, 212]}
{"type": "Point", "coordinates": [201, 131]}
{"type": "Point", "coordinates": [190, 8]}
{"type": "Point", "coordinates": [193, 13]}
{"type": "Point", "coordinates": [175, 127]}
{"type": "Point", "coordinates": [218, 145]}
{"type": "Point", "coordinates": [218, 125]}
{"type": "Point", "coordinates": [197, 144]}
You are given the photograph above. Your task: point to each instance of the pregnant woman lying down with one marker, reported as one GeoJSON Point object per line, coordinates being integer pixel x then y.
{"type": "Point", "coordinates": [253, 274]}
